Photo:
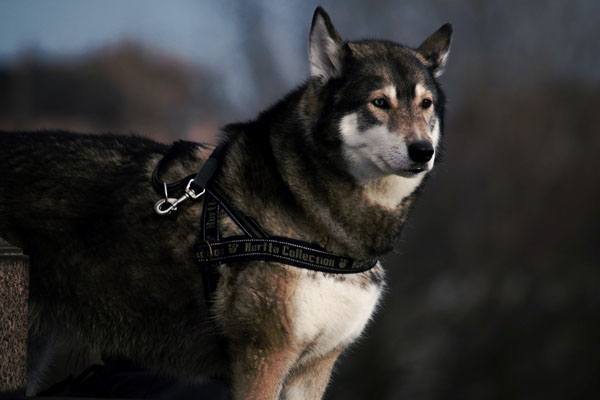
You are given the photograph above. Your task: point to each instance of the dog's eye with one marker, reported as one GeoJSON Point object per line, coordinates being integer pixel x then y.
{"type": "Point", "coordinates": [380, 102]}
{"type": "Point", "coordinates": [426, 103]}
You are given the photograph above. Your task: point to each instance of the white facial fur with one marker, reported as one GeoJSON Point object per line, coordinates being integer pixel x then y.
{"type": "Point", "coordinates": [375, 156]}
{"type": "Point", "coordinates": [377, 152]}
{"type": "Point", "coordinates": [420, 90]}
{"type": "Point", "coordinates": [372, 153]}
{"type": "Point", "coordinates": [390, 91]}
{"type": "Point", "coordinates": [435, 140]}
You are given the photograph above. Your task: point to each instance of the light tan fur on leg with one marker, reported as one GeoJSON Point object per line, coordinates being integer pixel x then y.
{"type": "Point", "coordinates": [309, 380]}
{"type": "Point", "coordinates": [252, 307]}
{"type": "Point", "coordinates": [259, 374]}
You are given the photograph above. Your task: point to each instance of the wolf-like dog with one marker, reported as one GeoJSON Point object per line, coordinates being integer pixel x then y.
{"type": "Point", "coordinates": [337, 162]}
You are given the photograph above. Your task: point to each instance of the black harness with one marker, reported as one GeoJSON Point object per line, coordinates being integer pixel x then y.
{"type": "Point", "coordinates": [211, 249]}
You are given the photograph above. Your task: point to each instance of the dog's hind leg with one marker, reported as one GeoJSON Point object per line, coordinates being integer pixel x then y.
{"type": "Point", "coordinates": [309, 380]}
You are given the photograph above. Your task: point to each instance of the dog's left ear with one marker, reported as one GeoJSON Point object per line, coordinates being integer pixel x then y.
{"type": "Point", "coordinates": [325, 47]}
{"type": "Point", "coordinates": [436, 48]}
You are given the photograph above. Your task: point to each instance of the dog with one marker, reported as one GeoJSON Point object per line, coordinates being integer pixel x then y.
{"type": "Point", "coordinates": [339, 161]}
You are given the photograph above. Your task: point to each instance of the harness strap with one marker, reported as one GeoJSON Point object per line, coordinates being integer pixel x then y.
{"type": "Point", "coordinates": [245, 223]}
{"type": "Point", "coordinates": [254, 243]}
{"type": "Point", "coordinates": [174, 187]}
{"type": "Point", "coordinates": [197, 182]}
{"type": "Point", "coordinates": [209, 225]}
{"type": "Point", "coordinates": [213, 250]}
{"type": "Point", "coordinates": [208, 169]}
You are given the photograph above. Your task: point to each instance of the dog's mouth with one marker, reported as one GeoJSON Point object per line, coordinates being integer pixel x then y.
{"type": "Point", "coordinates": [412, 171]}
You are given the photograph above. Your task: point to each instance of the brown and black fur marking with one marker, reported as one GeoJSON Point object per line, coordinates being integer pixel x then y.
{"type": "Point", "coordinates": [111, 278]}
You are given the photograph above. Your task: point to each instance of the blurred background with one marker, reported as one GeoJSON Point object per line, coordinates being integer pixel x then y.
{"type": "Point", "coordinates": [494, 292]}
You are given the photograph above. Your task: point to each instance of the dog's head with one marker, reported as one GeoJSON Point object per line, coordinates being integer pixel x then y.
{"type": "Point", "coordinates": [379, 101]}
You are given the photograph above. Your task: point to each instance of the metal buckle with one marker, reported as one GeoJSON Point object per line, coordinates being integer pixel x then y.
{"type": "Point", "coordinates": [190, 192]}
{"type": "Point", "coordinates": [172, 203]}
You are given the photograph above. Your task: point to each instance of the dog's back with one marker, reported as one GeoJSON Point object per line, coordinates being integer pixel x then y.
{"type": "Point", "coordinates": [103, 268]}
{"type": "Point", "coordinates": [59, 183]}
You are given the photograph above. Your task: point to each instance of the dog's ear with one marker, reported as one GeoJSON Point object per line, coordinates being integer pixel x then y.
{"type": "Point", "coordinates": [324, 48]}
{"type": "Point", "coordinates": [436, 48]}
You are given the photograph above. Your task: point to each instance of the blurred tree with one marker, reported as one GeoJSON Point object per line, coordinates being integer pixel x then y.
{"type": "Point", "coordinates": [124, 88]}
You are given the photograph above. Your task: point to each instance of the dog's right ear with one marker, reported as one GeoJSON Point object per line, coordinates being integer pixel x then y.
{"type": "Point", "coordinates": [325, 47]}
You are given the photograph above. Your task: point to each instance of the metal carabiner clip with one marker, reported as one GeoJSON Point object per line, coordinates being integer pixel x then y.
{"type": "Point", "coordinates": [165, 206]}
{"type": "Point", "coordinates": [168, 204]}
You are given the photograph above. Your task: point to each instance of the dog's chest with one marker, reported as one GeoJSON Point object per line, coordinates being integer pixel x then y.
{"type": "Point", "coordinates": [329, 313]}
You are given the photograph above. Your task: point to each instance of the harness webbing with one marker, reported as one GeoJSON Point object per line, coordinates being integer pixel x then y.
{"type": "Point", "coordinates": [254, 244]}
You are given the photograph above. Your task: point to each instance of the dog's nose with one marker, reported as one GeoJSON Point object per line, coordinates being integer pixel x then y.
{"type": "Point", "coordinates": [420, 151]}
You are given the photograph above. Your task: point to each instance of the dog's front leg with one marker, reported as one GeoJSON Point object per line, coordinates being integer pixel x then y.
{"type": "Point", "coordinates": [259, 373]}
{"type": "Point", "coordinates": [309, 380]}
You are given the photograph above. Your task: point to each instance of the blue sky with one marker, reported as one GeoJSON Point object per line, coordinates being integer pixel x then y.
{"type": "Point", "coordinates": [203, 32]}
{"type": "Point", "coordinates": [556, 40]}
{"type": "Point", "coordinates": [70, 26]}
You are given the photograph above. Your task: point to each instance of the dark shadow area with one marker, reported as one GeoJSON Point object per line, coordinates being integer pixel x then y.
{"type": "Point", "coordinates": [124, 380]}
